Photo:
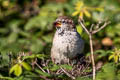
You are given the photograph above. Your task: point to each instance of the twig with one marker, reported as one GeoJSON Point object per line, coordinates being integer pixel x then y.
{"type": "Point", "coordinates": [43, 77]}
{"type": "Point", "coordinates": [92, 56]}
{"type": "Point", "coordinates": [10, 58]}
{"type": "Point", "coordinates": [91, 46]}
{"type": "Point", "coordinates": [46, 64]}
{"type": "Point", "coordinates": [67, 73]}
{"type": "Point", "coordinates": [82, 68]}
{"type": "Point", "coordinates": [39, 66]}
{"type": "Point", "coordinates": [91, 28]}
{"type": "Point", "coordinates": [88, 75]}
{"type": "Point", "coordinates": [104, 25]}
{"type": "Point", "coordinates": [98, 24]}
{"type": "Point", "coordinates": [90, 33]}
{"type": "Point", "coordinates": [58, 71]}
{"type": "Point", "coordinates": [83, 26]}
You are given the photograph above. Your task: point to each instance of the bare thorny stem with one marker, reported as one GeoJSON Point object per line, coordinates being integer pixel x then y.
{"type": "Point", "coordinates": [90, 33]}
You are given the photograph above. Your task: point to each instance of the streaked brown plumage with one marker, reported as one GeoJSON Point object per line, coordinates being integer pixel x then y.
{"type": "Point", "coordinates": [67, 43]}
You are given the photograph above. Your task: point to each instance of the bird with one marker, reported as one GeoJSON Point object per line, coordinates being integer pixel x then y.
{"type": "Point", "coordinates": [67, 43]}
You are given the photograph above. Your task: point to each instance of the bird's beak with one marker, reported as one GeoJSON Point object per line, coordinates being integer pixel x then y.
{"type": "Point", "coordinates": [57, 24]}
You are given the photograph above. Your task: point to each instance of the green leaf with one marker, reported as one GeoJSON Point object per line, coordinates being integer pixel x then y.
{"type": "Point", "coordinates": [37, 46]}
{"type": "Point", "coordinates": [100, 9]}
{"type": "Point", "coordinates": [110, 57]}
{"type": "Point", "coordinates": [29, 57]}
{"type": "Point", "coordinates": [18, 70]}
{"type": "Point", "coordinates": [55, 67]}
{"type": "Point", "coordinates": [12, 37]}
{"type": "Point", "coordinates": [42, 73]}
{"type": "Point", "coordinates": [102, 53]}
{"type": "Point", "coordinates": [26, 66]}
{"type": "Point", "coordinates": [79, 29]}
{"type": "Point", "coordinates": [13, 68]}
{"type": "Point", "coordinates": [110, 31]}
{"type": "Point", "coordinates": [47, 38]}
{"type": "Point", "coordinates": [6, 78]}
{"type": "Point", "coordinates": [14, 24]}
{"type": "Point", "coordinates": [65, 66]}
{"type": "Point", "coordinates": [40, 56]}
{"type": "Point", "coordinates": [107, 72]}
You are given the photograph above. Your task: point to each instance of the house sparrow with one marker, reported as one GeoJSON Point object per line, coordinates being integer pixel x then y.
{"type": "Point", "coordinates": [67, 43]}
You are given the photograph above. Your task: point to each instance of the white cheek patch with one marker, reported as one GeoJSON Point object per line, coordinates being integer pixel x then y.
{"type": "Point", "coordinates": [63, 20]}
{"type": "Point", "coordinates": [59, 30]}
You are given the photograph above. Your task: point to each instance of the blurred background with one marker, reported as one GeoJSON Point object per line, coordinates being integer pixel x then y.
{"type": "Point", "coordinates": [26, 25]}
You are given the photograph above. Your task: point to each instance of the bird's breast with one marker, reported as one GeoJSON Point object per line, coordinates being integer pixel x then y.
{"type": "Point", "coordinates": [68, 44]}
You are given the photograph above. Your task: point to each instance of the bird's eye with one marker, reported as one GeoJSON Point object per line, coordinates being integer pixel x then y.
{"type": "Point", "coordinates": [63, 21]}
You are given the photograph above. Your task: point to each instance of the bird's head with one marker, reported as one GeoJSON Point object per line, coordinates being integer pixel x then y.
{"type": "Point", "coordinates": [64, 23]}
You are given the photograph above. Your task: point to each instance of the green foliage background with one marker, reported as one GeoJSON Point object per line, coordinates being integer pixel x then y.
{"type": "Point", "coordinates": [26, 25]}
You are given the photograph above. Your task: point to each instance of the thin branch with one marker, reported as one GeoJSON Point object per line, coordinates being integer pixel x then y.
{"type": "Point", "coordinates": [83, 26]}
{"type": "Point", "coordinates": [104, 25]}
{"type": "Point", "coordinates": [67, 73]}
{"type": "Point", "coordinates": [98, 24]}
{"type": "Point", "coordinates": [46, 64]}
{"type": "Point", "coordinates": [89, 75]}
{"type": "Point", "coordinates": [91, 46]}
{"type": "Point", "coordinates": [92, 56]}
{"type": "Point", "coordinates": [91, 28]}
{"type": "Point", "coordinates": [43, 77]}
{"type": "Point", "coordinates": [90, 33]}
{"type": "Point", "coordinates": [58, 71]}
{"type": "Point", "coordinates": [39, 66]}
